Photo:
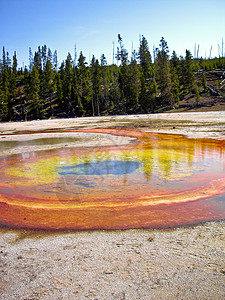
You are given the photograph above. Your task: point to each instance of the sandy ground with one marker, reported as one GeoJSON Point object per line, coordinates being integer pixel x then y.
{"type": "Point", "coordinates": [180, 263]}
{"type": "Point", "coordinates": [196, 124]}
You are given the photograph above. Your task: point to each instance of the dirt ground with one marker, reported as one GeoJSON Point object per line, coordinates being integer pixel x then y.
{"type": "Point", "coordinates": [178, 263]}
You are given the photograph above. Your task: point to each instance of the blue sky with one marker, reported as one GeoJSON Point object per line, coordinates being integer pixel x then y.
{"type": "Point", "coordinates": [94, 25]}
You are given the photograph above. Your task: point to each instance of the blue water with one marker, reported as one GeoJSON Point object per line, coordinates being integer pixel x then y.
{"type": "Point", "coordinates": [105, 167]}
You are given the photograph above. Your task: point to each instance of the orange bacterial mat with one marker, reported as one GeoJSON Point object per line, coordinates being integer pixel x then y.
{"type": "Point", "coordinates": [156, 181]}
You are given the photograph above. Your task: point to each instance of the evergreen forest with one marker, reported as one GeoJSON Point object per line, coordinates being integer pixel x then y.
{"type": "Point", "coordinates": [136, 83]}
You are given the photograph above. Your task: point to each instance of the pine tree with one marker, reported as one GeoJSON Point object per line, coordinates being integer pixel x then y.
{"type": "Point", "coordinates": [8, 60]}
{"type": "Point", "coordinates": [59, 89]}
{"type": "Point", "coordinates": [5, 96]}
{"type": "Point", "coordinates": [3, 105]}
{"type": "Point", "coordinates": [96, 85]}
{"type": "Point", "coordinates": [133, 87]}
{"type": "Point", "coordinates": [163, 70]}
{"type": "Point", "coordinates": [44, 55]}
{"type": "Point", "coordinates": [189, 78]}
{"type": "Point", "coordinates": [67, 84]}
{"type": "Point", "coordinates": [148, 83]}
{"type": "Point", "coordinates": [5, 101]}
{"type": "Point", "coordinates": [49, 55]}
{"type": "Point", "coordinates": [114, 88]}
{"type": "Point", "coordinates": [32, 89]}
{"type": "Point", "coordinates": [38, 60]}
{"type": "Point", "coordinates": [105, 80]}
{"type": "Point", "coordinates": [4, 64]}
{"type": "Point", "coordinates": [204, 82]}
{"type": "Point", "coordinates": [31, 59]}
{"type": "Point", "coordinates": [15, 64]}
{"type": "Point", "coordinates": [175, 87]}
{"type": "Point", "coordinates": [25, 107]}
{"type": "Point", "coordinates": [84, 86]}
{"type": "Point", "coordinates": [143, 97]}
{"type": "Point", "coordinates": [197, 95]}
{"type": "Point", "coordinates": [12, 86]}
{"type": "Point", "coordinates": [79, 109]}
{"type": "Point", "coordinates": [175, 64]}
{"type": "Point", "coordinates": [122, 56]}
{"type": "Point", "coordinates": [55, 61]}
{"type": "Point", "coordinates": [48, 84]}
{"type": "Point", "coordinates": [145, 59]}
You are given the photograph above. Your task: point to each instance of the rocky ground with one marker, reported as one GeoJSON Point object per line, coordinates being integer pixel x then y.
{"type": "Point", "coordinates": [178, 263]}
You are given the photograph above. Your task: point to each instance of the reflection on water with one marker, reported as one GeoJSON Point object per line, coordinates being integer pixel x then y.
{"type": "Point", "coordinates": [104, 167]}
{"type": "Point", "coordinates": [139, 181]}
